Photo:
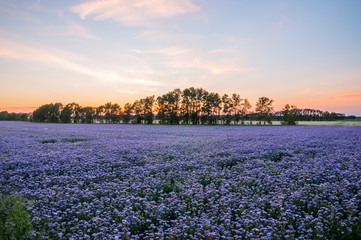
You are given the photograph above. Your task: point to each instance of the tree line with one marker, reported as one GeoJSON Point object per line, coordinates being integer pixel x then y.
{"type": "Point", "coordinates": [189, 106]}
{"type": "Point", "coordinates": [6, 116]}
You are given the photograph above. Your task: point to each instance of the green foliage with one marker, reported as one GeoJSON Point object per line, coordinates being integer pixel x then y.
{"type": "Point", "coordinates": [48, 113]}
{"type": "Point", "coordinates": [108, 113]}
{"type": "Point", "coordinates": [65, 115]}
{"type": "Point", "coordinates": [15, 221]}
{"type": "Point", "coordinates": [229, 163]}
{"type": "Point", "coordinates": [276, 156]}
{"type": "Point", "coordinates": [290, 115]}
{"type": "Point", "coordinates": [168, 106]}
{"type": "Point", "coordinates": [68, 140]}
{"type": "Point", "coordinates": [48, 141]}
{"type": "Point", "coordinates": [73, 140]}
{"type": "Point", "coordinates": [264, 108]}
{"type": "Point", "coordinates": [5, 116]}
{"type": "Point", "coordinates": [206, 180]}
{"type": "Point", "coordinates": [355, 233]}
{"type": "Point", "coordinates": [89, 113]}
{"type": "Point", "coordinates": [190, 106]}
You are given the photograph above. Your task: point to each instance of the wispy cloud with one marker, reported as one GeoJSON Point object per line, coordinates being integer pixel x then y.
{"type": "Point", "coordinates": [27, 10]}
{"type": "Point", "coordinates": [174, 51]}
{"type": "Point", "coordinates": [135, 12]}
{"type": "Point", "coordinates": [155, 35]}
{"type": "Point", "coordinates": [168, 51]}
{"type": "Point", "coordinates": [75, 29]}
{"type": "Point", "coordinates": [127, 91]}
{"type": "Point", "coordinates": [65, 60]}
{"type": "Point", "coordinates": [305, 91]}
{"type": "Point", "coordinates": [346, 95]}
{"type": "Point", "coordinates": [176, 58]}
{"type": "Point", "coordinates": [20, 14]}
{"type": "Point", "coordinates": [213, 66]}
{"type": "Point", "coordinates": [222, 51]}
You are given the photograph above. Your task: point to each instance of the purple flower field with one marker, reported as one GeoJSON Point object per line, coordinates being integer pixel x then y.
{"type": "Point", "coordinates": [185, 182]}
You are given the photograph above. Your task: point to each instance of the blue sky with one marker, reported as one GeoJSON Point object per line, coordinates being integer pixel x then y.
{"type": "Point", "coordinates": [306, 53]}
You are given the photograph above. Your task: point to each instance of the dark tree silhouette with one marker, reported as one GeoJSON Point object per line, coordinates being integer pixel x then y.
{"type": "Point", "coordinates": [127, 111]}
{"type": "Point", "coordinates": [264, 109]}
{"type": "Point", "coordinates": [6, 116]}
{"type": "Point", "coordinates": [227, 109]}
{"type": "Point", "coordinates": [190, 106]}
{"type": "Point", "coordinates": [290, 115]}
{"type": "Point", "coordinates": [66, 114]}
{"type": "Point", "coordinates": [48, 113]}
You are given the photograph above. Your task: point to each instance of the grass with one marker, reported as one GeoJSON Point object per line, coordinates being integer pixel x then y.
{"type": "Point", "coordinates": [48, 141]}
{"type": "Point", "coordinates": [15, 221]}
{"type": "Point", "coordinates": [66, 140]}
{"type": "Point", "coordinates": [73, 140]}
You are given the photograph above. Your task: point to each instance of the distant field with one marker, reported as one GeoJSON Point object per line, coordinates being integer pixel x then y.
{"type": "Point", "coordinates": [103, 181]}
{"type": "Point", "coordinates": [316, 123]}
{"type": "Point", "coordinates": [323, 123]}
{"type": "Point", "coordinates": [331, 123]}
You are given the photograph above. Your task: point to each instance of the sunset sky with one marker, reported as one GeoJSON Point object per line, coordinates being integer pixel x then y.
{"type": "Point", "coordinates": [306, 53]}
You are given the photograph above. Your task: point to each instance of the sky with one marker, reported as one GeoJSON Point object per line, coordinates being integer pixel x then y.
{"type": "Point", "coordinates": [305, 53]}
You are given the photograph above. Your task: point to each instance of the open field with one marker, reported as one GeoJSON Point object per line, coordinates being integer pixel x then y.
{"type": "Point", "coordinates": [184, 182]}
{"type": "Point", "coordinates": [323, 123]}
{"type": "Point", "coordinates": [329, 123]}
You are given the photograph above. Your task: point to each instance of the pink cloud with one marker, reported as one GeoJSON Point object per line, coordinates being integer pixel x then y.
{"type": "Point", "coordinates": [76, 29]}
{"type": "Point", "coordinates": [306, 91]}
{"type": "Point", "coordinates": [65, 60]}
{"type": "Point", "coordinates": [162, 36]}
{"type": "Point", "coordinates": [171, 51]}
{"type": "Point", "coordinates": [347, 95]}
{"type": "Point", "coordinates": [135, 12]}
{"type": "Point", "coordinates": [127, 91]}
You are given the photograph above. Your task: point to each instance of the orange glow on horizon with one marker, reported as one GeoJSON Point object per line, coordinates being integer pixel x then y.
{"type": "Point", "coordinates": [18, 109]}
{"type": "Point", "coordinates": [344, 102]}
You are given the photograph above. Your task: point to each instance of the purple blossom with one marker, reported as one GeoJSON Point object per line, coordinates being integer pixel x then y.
{"type": "Point", "coordinates": [184, 182]}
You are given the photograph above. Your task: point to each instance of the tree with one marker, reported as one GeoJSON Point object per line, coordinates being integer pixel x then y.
{"type": "Point", "coordinates": [65, 115]}
{"type": "Point", "coordinates": [99, 113]}
{"type": "Point", "coordinates": [174, 105]}
{"type": "Point", "coordinates": [115, 113]}
{"type": "Point", "coordinates": [75, 110]}
{"type": "Point", "coordinates": [137, 110]}
{"type": "Point", "coordinates": [87, 114]}
{"type": "Point", "coordinates": [245, 106]}
{"type": "Point", "coordinates": [148, 104]}
{"type": "Point", "coordinates": [5, 116]}
{"type": "Point", "coordinates": [107, 112]}
{"type": "Point", "coordinates": [127, 110]}
{"type": "Point", "coordinates": [227, 109]}
{"type": "Point", "coordinates": [236, 105]}
{"type": "Point", "coordinates": [48, 113]}
{"type": "Point", "coordinates": [168, 107]}
{"type": "Point", "coordinates": [290, 115]}
{"type": "Point", "coordinates": [186, 105]}
{"type": "Point", "coordinates": [264, 109]}
{"type": "Point", "coordinates": [192, 104]}
{"type": "Point", "coordinates": [212, 107]}
{"type": "Point", "coordinates": [161, 109]}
